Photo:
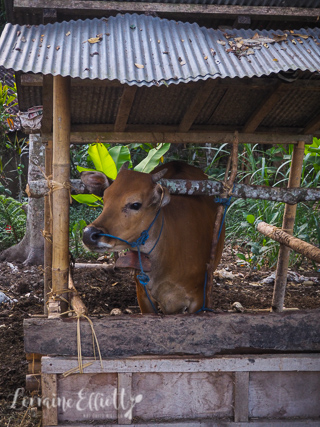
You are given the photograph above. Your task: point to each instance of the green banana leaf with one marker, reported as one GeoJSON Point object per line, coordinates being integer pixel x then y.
{"type": "Point", "coordinates": [120, 155]}
{"type": "Point", "coordinates": [89, 199]}
{"type": "Point", "coordinates": [102, 160]}
{"type": "Point", "coordinates": [153, 158]}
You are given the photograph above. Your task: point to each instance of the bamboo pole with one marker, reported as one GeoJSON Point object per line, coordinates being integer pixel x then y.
{"type": "Point", "coordinates": [47, 230]}
{"type": "Point", "coordinates": [287, 226]}
{"type": "Point", "coordinates": [298, 245]}
{"type": "Point", "coordinates": [227, 189]}
{"type": "Point", "coordinates": [61, 192]}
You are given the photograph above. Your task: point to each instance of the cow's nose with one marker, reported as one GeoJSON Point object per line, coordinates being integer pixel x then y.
{"type": "Point", "coordinates": [91, 235]}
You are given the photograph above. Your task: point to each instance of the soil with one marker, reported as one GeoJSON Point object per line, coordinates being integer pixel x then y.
{"type": "Point", "coordinates": [103, 291]}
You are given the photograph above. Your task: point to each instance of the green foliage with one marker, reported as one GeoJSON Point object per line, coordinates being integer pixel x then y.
{"type": "Point", "coordinates": [272, 167]}
{"type": "Point", "coordinates": [12, 222]}
{"type": "Point", "coordinates": [110, 161]}
{"type": "Point", "coordinates": [80, 216]}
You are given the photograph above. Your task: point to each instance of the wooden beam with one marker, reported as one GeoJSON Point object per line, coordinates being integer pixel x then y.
{"type": "Point", "coordinates": [206, 334]}
{"type": "Point", "coordinates": [291, 196]}
{"type": "Point", "coordinates": [312, 126]}
{"type": "Point", "coordinates": [126, 102]}
{"type": "Point", "coordinates": [184, 138]}
{"type": "Point", "coordinates": [47, 101]}
{"type": "Point", "coordinates": [260, 12]}
{"type": "Point", "coordinates": [186, 363]}
{"type": "Point", "coordinates": [264, 109]}
{"type": "Point", "coordinates": [196, 105]}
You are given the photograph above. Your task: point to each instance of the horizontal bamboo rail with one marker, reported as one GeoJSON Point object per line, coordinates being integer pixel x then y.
{"type": "Point", "coordinates": [298, 245]}
{"type": "Point", "coordinates": [290, 196]}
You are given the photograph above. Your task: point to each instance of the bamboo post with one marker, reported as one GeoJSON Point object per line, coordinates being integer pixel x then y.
{"type": "Point", "coordinates": [61, 192]}
{"type": "Point", "coordinates": [287, 226]}
{"type": "Point", "coordinates": [298, 245]}
{"type": "Point", "coordinates": [227, 189]}
{"type": "Point", "coordinates": [48, 229]}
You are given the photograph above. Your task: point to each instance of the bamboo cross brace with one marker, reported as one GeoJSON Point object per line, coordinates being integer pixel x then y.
{"type": "Point", "coordinates": [227, 189]}
{"type": "Point", "coordinates": [298, 245]}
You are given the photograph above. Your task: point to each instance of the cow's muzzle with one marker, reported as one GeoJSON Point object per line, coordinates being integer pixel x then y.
{"type": "Point", "coordinates": [93, 240]}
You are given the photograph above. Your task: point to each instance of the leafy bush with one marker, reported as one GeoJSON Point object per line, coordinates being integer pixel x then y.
{"type": "Point", "coordinates": [268, 168]}
{"type": "Point", "coordinates": [12, 222]}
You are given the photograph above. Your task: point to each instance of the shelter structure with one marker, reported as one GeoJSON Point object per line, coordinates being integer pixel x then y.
{"type": "Point", "coordinates": [131, 77]}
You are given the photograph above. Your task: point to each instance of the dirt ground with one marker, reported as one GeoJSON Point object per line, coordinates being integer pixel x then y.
{"type": "Point", "coordinates": [102, 291]}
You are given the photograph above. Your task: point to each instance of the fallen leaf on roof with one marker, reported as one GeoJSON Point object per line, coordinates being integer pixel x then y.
{"type": "Point", "coordinates": [58, 47]}
{"type": "Point", "coordinates": [23, 39]}
{"type": "Point", "coordinates": [68, 33]}
{"type": "Point", "coordinates": [18, 33]}
{"type": "Point", "coordinates": [94, 40]}
{"type": "Point", "coordinates": [139, 65]}
{"type": "Point", "coordinates": [133, 27]}
{"type": "Point", "coordinates": [94, 53]}
{"type": "Point", "coordinates": [301, 35]}
{"type": "Point", "coordinates": [182, 62]}
{"type": "Point", "coordinates": [205, 57]}
{"type": "Point", "coordinates": [48, 46]}
{"type": "Point", "coordinates": [275, 60]}
{"type": "Point", "coordinates": [279, 37]}
{"type": "Point", "coordinates": [212, 51]}
{"type": "Point", "coordinates": [294, 41]}
{"type": "Point", "coordinates": [223, 43]}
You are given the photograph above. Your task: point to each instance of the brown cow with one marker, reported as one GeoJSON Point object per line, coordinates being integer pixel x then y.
{"type": "Point", "coordinates": [181, 233]}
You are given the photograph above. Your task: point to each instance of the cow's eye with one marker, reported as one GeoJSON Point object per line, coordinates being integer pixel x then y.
{"type": "Point", "coordinates": [135, 206]}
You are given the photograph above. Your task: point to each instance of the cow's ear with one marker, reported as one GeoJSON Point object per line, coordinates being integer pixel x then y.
{"type": "Point", "coordinates": [161, 195]}
{"type": "Point", "coordinates": [96, 182]}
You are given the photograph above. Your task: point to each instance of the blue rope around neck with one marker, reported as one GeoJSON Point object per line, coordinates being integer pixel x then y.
{"type": "Point", "coordinates": [141, 240]}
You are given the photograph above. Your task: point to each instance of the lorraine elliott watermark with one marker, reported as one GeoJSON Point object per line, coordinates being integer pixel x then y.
{"type": "Point", "coordinates": [91, 404]}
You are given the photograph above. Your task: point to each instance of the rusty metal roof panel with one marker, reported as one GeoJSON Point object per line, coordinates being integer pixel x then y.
{"type": "Point", "coordinates": [145, 51]}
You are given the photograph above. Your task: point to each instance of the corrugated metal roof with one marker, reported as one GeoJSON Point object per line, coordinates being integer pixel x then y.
{"type": "Point", "coordinates": [168, 51]}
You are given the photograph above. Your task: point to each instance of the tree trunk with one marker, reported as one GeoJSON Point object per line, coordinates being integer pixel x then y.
{"type": "Point", "coordinates": [30, 249]}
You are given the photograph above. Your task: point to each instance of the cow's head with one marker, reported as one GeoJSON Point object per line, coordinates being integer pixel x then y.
{"type": "Point", "coordinates": [130, 205]}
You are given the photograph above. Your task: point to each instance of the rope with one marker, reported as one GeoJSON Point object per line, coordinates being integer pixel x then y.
{"type": "Point", "coordinates": [141, 240]}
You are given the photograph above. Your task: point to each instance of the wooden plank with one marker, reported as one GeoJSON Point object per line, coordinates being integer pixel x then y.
{"type": "Point", "coordinates": [49, 390]}
{"type": "Point", "coordinates": [124, 398]}
{"type": "Point", "coordinates": [183, 395]}
{"type": "Point", "coordinates": [264, 109]}
{"type": "Point", "coordinates": [196, 105]}
{"type": "Point", "coordinates": [212, 423]}
{"type": "Point", "coordinates": [185, 138]}
{"type": "Point", "coordinates": [206, 334]}
{"type": "Point", "coordinates": [284, 395]}
{"type": "Point", "coordinates": [239, 363]}
{"type": "Point", "coordinates": [260, 12]}
{"type": "Point", "coordinates": [87, 397]}
{"type": "Point", "coordinates": [126, 102]}
{"type": "Point", "coordinates": [241, 397]}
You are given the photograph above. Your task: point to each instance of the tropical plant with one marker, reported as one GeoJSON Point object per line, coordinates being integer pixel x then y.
{"type": "Point", "coordinates": [12, 221]}
{"type": "Point", "coordinates": [109, 161]}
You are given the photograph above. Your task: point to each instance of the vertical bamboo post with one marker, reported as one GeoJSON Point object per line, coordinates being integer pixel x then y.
{"type": "Point", "coordinates": [287, 226]}
{"type": "Point", "coordinates": [48, 229]}
{"type": "Point", "coordinates": [227, 189]}
{"type": "Point", "coordinates": [61, 192]}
